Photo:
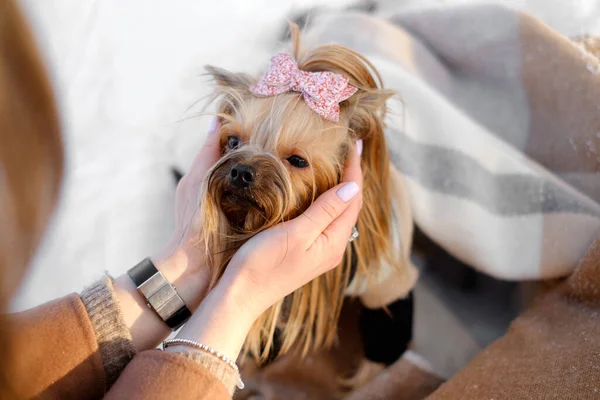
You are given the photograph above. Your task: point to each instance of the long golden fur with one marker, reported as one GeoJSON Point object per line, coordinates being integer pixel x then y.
{"type": "Point", "coordinates": [271, 130]}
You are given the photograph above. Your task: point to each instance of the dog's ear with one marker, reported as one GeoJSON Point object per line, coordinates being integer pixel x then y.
{"type": "Point", "coordinates": [229, 80]}
{"type": "Point", "coordinates": [233, 87]}
{"type": "Point", "coordinates": [368, 110]}
{"type": "Point", "coordinates": [374, 221]}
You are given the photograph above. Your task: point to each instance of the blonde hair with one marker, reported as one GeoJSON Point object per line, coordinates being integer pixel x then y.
{"type": "Point", "coordinates": [308, 317]}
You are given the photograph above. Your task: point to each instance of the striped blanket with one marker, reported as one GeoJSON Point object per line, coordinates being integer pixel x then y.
{"type": "Point", "coordinates": [496, 128]}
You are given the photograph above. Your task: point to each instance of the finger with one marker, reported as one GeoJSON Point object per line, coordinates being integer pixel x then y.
{"type": "Point", "coordinates": [352, 170]}
{"type": "Point", "coordinates": [188, 189]}
{"type": "Point", "coordinates": [336, 234]}
{"type": "Point", "coordinates": [209, 154]}
{"type": "Point", "coordinates": [328, 207]}
{"type": "Point", "coordinates": [335, 237]}
{"type": "Point", "coordinates": [330, 204]}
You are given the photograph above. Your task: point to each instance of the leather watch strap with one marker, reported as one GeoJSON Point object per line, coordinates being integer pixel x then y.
{"type": "Point", "coordinates": [160, 295]}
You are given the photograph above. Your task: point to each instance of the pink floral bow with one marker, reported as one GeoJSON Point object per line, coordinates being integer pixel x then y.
{"type": "Point", "coordinates": [323, 91]}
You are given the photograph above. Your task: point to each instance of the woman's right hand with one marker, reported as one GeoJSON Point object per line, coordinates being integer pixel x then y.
{"type": "Point", "coordinates": [276, 262]}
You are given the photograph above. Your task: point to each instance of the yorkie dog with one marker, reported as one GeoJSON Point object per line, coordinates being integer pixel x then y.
{"type": "Point", "coordinates": [285, 140]}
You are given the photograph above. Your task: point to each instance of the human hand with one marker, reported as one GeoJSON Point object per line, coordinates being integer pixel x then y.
{"type": "Point", "coordinates": [276, 262]}
{"type": "Point", "coordinates": [188, 190]}
{"type": "Point", "coordinates": [182, 260]}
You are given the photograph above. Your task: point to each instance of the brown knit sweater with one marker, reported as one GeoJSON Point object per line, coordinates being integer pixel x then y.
{"type": "Point", "coordinates": [115, 343]}
{"type": "Point", "coordinates": [54, 352]}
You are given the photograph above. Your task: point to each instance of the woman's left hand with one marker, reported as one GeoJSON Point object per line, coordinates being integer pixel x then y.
{"type": "Point", "coordinates": [181, 261]}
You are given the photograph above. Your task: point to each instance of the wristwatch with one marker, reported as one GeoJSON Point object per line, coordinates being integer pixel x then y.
{"type": "Point", "coordinates": [160, 295]}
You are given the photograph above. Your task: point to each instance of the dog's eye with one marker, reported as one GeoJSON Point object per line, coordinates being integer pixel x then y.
{"type": "Point", "coordinates": [233, 142]}
{"type": "Point", "coordinates": [298, 162]}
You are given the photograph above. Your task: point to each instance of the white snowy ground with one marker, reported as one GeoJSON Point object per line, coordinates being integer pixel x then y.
{"type": "Point", "coordinates": [125, 73]}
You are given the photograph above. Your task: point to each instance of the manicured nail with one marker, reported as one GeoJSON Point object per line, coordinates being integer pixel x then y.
{"type": "Point", "coordinates": [359, 147]}
{"type": "Point", "coordinates": [348, 191]}
{"type": "Point", "coordinates": [212, 125]}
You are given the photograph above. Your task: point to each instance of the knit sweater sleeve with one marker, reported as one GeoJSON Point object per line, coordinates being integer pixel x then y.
{"type": "Point", "coordinates": [114, 338]}
{"type": "Point", "coordinates": [116, 345]}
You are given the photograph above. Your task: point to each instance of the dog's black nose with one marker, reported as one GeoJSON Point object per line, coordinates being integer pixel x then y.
{"type": "Point", "coordinates": [242, 176]}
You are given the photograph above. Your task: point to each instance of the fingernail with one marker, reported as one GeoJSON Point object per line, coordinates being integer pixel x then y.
{"type": "Point", "coordinates": [212, 124]}
{"type": "Point", "coordinates": [359, 147]}
{"type": "Point", "coordinates": [348, 191]}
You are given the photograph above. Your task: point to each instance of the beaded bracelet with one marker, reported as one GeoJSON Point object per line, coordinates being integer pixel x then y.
{"type": "Point", "coordinates": [207, 349]}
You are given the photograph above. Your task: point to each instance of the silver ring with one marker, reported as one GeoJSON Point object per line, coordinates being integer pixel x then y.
{"type": "Point", "coordinates": [354, 234]}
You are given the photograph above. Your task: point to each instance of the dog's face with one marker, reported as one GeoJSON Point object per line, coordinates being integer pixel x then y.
{"type": "Point", "coordinates": [278, 156]}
